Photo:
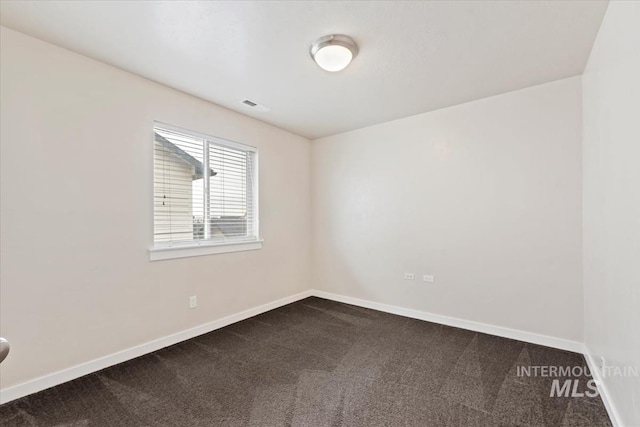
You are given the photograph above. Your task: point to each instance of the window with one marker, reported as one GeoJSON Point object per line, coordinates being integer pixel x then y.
{"type": "Point", "coordinates": [205, 194]}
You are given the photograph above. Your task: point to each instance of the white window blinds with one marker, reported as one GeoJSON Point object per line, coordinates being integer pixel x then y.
{"type": "Point", "coordinates": [205, 189]}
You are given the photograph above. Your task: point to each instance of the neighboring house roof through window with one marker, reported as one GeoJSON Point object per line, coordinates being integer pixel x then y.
{"type": "Point", "coordinates": [184, 156]}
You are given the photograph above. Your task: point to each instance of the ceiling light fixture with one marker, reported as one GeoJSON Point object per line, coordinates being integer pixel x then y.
{"type": "Point", "coordinates": [333, 52]}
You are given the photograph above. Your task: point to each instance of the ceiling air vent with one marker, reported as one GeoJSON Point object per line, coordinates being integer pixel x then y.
{"type": "Point", "coordinates": [254, 105]}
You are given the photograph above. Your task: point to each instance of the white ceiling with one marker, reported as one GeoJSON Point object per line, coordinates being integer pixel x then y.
{"type": "Point", "coordinates": [414, 56]}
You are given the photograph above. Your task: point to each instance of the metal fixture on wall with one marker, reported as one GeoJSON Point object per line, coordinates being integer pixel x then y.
{"type": "Point", "coordinates": [4, 349]}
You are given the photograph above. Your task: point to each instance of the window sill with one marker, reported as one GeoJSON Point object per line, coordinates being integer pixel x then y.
{"type": "Point", "coordinates": [185, 251]}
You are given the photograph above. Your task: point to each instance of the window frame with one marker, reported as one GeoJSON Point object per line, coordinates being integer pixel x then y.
{"type": "Point", "coordinates": [190, 248]}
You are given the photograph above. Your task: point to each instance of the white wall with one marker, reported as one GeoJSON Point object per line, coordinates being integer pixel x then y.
{"type": "Point", "coordinates": [611, 88]}
{"type": "Point", "coordinates": [76, 146]}
{"type": "Point", "coordinates": [486, 196]}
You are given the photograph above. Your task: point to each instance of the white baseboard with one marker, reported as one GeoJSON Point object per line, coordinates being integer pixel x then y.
{"type": "Point", "coordinates": [50, 380]}
{"type": "Point", "coordinates": [500, 331]}
{"type": "Point", "coordinates": [59, 377]}
{"type": "Point", "coordinates": [602, 388]}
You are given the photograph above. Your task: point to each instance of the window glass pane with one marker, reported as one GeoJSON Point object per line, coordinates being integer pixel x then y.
{"type": "Point", "coordinates": [178, 182]}
{"type": "Point", "coordinates": [229, 192]}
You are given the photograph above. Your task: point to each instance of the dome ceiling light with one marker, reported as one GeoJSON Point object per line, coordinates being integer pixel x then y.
{"type": "Point", "coordinates": [334, 52]}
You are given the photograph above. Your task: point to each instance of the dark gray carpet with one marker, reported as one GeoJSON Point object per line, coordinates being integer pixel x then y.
{"type": "Point", "coordinates": [320, 363]}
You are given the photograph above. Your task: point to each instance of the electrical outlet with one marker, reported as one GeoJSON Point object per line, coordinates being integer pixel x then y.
{"type": "Point", "coordinates": [408, 276]}
{"type": "Point", "coordinates": [193, 301]}
{"type": "Point", "coordinates": [428, 278]}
